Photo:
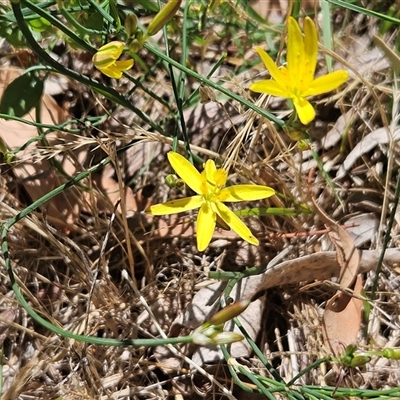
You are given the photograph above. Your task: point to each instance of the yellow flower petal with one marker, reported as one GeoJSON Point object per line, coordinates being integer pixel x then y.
{"type": "Point", "coordinates": [246, 192]}
{"type": "Point", "coordinates": [210, 169]}
{"type": "Point", "coordinates": [105, 60]}
{"type": "Point", "coordinates": [311, 53]}
{"type": "Point", "coordinates": [326, 83]}
{"type": "Point", "coordinates": [235, 223]}
{"type": "Point", "coordinates": [205, 225]}
{"type": "Point", "coordinates": [270, 87]}
{"type": "Point", "coordinates": [124, 65]}
{"type": "Point", "coordinates": [270, 66]}
{"type": "Point", "coordinates": [220, 177]}
{"type": "Point", "coordinates": [295, 50]}
{"type": "Point", "coordinates": [113, 49]}
{"type": "Point", "coordinates": [112, 71]}
{"type": "Point", "coordinates": [296, 81]}
{"type": "Point", "coordinates": [186, 171]}
{"type": "Point", "coordinates": [304, 109]}
{"type": "Point", "coordinates": [101, 60]}
{"type": "Point", "coordinates": [176, 206]}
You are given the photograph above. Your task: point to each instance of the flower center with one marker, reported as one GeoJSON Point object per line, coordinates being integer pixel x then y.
{"type": "Point", "coordinates": [213, 183]}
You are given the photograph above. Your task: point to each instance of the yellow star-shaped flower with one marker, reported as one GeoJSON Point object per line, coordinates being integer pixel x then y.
{"type": "Point", "coordinates": [210, 198]}
{"type": "Point", "coordinates": [106, 60]}
{"type": "Point", "coordinates": [296, 80]}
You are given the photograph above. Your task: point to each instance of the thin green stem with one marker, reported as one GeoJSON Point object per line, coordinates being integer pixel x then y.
{"type": "Point", "coordinates": [57, 23]}
{"type": "Point", "coordinates": [362, 10]}
{"type": "Point", "coordinates": [79, 27]}
{"type": "Point", "coordinates": [253, 378]}
{"type": "Point", "coordinates": [228, 275]}
{"type": "Point", "coordinates": [98, 8]}
{"type": "Point", "coordinates": [51, 128]}
{"type": "Point", "coordinates": [195, 93]}
{"type": "Point", "coordinates": [46, 324]}
{"type": "Point", "coordinates": [215, 86]}
{"type": "Point", "coordinates": [387, 238]}
{"type": "Point", "coordinates": [98, 87]}
{"type": "Point", "coordinates": [178, 98]}
{"type": "Point", "coordinates": [274, 373]}
{"type": "Point", "coordinates": [315, 364]}
{"type": "Point", "coordinates": [232, 370]}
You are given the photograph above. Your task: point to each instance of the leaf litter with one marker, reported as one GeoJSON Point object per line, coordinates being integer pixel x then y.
{"type": "Point", "coordinates": [291, 296]}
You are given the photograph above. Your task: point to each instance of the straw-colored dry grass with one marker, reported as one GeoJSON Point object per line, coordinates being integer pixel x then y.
{"type": "Point", "coordinates": [69, 266]}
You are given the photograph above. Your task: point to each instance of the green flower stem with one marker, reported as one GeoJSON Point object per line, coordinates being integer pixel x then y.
{"type": "Point", "coordinates": [104, 14]}
{"type": "Point", "coordinates": [250, 341]}
{"type": "Point", "coordinates": [362, 10]}
{"type": "Point", "coordinates": [274, 373]}
{"type": "Point", "coordinates": [296, 9]}
{"type": "Point", "coordinates": [226, 275]}
{"type": "Point", "coordinates": [138, 84]}
{"type": "Point", "coordinates": [254, 378]}
{"type": "Point", "coordinates": [58, 24]}
{"type": "Point", "coordinates": [182, 80]}
{"type": "Point", "coordinates": [195, 93]}
{"type": "Point", "coordinates": [386, 239]}
{"type": "Point", "coordinates": [316, 394]}
{"type": "Point", "coordinates": [325, 392]}
{"type": "Point", "coordinates": [27, 13]}
{"type": "Point", "coordinates": [46, 324]}
{"type": "Point", "coordinates": [80, 28]}
{"type": "Point", "coordinates": [215, 86]}
{"type": "Point", "coordinates": [232, 370]}
{"type": "Point", "coordinates": [98, 87]}
{"type": "Point", "coordinates": [178, 94]}
{"type": "Point", "coordinates": [307, 369]}
{"type": "Point", "coordinates": [259, 211]}
{"type": "Point", "coordinates": [60, 127]}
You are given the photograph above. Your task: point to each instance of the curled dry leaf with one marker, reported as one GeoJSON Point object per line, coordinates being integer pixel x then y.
{"type": "Point", "coordinates": [342, 310]}
{"type": "Point", "coordinates": [347, 255]}
{"type": "Point", "coordinates": [318, 266]}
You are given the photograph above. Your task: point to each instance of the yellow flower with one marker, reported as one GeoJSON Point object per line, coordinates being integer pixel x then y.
{"type": "Point", "coordinates": [210, 198]}
{"type": "Point", "coordinates": [296, 80]}
{"type": "Point", "coordinates": [106, 60]}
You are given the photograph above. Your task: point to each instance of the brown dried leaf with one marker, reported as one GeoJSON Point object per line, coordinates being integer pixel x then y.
{"type": "Point", "coordinates": [347, 255]}
{"type": "Point", "coordinates": [317, 266]}
{"type": "Point", "coordinates": [342, 310]}
{"type": "Point", "coordinates": [36, 173]}
{"type": "Point", "coordinates": [342, 319]}
{"type": "Point", "coordinates": [39, 176]}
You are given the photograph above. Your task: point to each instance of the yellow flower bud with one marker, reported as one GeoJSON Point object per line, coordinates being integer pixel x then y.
{"type": "Point", "coordinates": [214, 335]}
{"type": "Point", "coordinates": [163, 16]}
{"type": "Point", "coordinates": [174, 182]}
{"type": "Point", "coordinates": [229, 312]}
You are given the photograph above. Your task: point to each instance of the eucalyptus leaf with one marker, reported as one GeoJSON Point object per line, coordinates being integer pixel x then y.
{"type": "Point", "coordinates": [21, 95]}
